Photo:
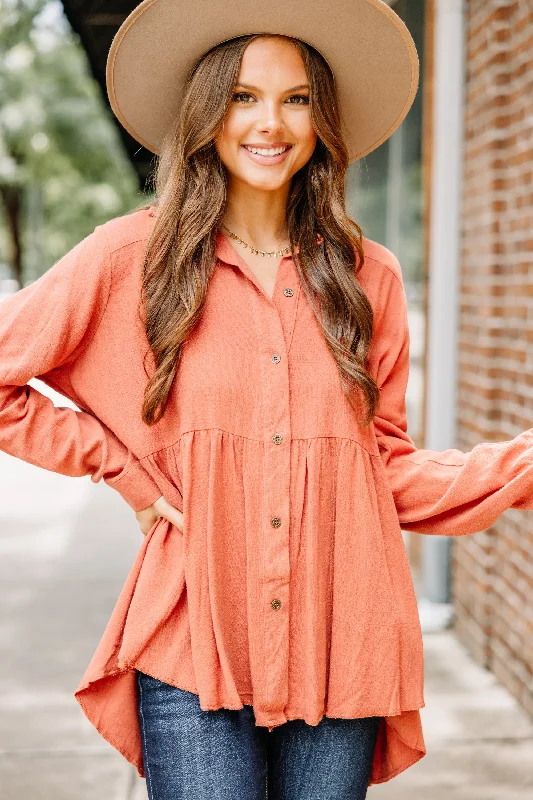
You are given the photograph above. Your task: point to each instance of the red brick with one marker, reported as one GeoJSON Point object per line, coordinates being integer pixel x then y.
{"type": "Point", "coordinates": [492, 572]}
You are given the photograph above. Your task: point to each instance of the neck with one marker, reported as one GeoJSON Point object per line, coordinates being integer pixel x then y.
{"type": "Point", "coordinates": [258, 217]}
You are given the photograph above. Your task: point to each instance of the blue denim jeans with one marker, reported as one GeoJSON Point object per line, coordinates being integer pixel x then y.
{"type": "Point", "coordinates": [223, 755]}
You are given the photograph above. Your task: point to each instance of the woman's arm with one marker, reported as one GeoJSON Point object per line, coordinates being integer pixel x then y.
{"type": "Point", "coordinates": [42, 328]}
{"type": "Point", "coordinates": [450, 492]}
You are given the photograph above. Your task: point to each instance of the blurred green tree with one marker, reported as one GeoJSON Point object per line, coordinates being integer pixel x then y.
{"type": "Point", "coordinates": [63, 169]}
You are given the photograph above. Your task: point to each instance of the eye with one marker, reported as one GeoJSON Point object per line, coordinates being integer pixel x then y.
{"type": "Point", "coordinates": [246, 98]}
{"type": "Point", "coordinates": [298, 99]}
{"type": "Point", "coordinates": [242, 97]}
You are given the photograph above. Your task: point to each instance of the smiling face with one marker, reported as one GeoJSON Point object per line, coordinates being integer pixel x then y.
{"type": "Point", "coordinates": [267, 134]}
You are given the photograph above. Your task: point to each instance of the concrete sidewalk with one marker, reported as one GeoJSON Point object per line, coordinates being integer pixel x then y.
{"type": "Point", "coordinates": [479, 741]}
{"type": "Point", "coordinates": [66, 547]}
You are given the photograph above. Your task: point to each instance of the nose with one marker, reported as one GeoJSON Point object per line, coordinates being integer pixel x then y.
{"type": "Point", "coordinates": [270, 120]}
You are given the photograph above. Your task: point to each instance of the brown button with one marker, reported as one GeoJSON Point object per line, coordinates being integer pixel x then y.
{"type": "Point", "coordinates": [277, 438]}
{"type": "Point", "coordinates": [276, 358]}
{"type": "Point", "coordinates": [275, 522]}
{"type": "Point", "coordinates": [276, 604]}
{"type": "Point", "coordinates": [288, 292]}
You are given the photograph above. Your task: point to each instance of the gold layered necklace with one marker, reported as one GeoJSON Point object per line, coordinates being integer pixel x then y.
{"type": "Point", "coordinates": [255, 250]}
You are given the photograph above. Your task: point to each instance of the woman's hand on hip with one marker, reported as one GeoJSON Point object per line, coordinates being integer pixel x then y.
{"type": "Point", "coordinates": [161, 508]}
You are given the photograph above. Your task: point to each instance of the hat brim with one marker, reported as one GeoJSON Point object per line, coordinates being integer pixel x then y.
{"type": "Point", "coordinates": [366, 44]}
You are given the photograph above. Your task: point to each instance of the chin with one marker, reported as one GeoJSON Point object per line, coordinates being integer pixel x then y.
{"type": "Point", "coordinates": [267, 184]}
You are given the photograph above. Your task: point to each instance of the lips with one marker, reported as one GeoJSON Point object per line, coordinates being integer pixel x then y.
{"type": "Point", "coordinates": [267, 156]}
{"type": "Point", "coordinates": [267, 151]}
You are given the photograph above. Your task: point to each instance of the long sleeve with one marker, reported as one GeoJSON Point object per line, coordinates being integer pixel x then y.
{"type": "Point", "coordinates": [44, 327]}
{"type": "Point", "coordinates": [450, 492]}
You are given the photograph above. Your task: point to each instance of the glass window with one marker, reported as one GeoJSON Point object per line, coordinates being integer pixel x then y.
{"type": "Point", "coordinates": [384, 195]}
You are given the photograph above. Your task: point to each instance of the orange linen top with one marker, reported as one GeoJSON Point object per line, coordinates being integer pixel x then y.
{"type": "Point", "coordinates": [289, 588]}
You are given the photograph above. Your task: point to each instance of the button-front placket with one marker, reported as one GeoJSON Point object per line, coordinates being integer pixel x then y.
{"type": "Point", "coordinates": [268, 585]}
{"type": "Point", "coordinates": [272, 696]}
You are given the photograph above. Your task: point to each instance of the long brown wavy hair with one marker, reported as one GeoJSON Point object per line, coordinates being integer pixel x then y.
{"type": "Point", "coordinates": [190, 194]}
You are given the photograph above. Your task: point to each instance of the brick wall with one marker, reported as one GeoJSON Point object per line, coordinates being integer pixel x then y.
{"type": "Point", "coordinates": [492, 571]}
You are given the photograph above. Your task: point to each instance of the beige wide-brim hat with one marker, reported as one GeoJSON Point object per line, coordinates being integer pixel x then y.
{"type": "Point", "coordinates": [366, 44]}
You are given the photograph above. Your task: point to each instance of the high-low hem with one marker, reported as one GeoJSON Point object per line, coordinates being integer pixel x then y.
{"type": "Point", "coordinates": [395, 750]}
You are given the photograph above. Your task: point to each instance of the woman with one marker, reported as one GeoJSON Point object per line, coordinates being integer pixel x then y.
{"type": "Point", "coordinates": [240, 355]}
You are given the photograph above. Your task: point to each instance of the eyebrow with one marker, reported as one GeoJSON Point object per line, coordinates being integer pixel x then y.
{"type": "Point", "coordinates": [294, 88]}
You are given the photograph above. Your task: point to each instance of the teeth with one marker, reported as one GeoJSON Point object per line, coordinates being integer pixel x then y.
{"type": "Point", "coordinates": [263, 151]}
